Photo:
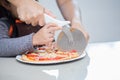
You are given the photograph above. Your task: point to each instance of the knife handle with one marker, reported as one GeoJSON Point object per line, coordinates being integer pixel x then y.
{"type": "Point", "coordinates": [49, 19]}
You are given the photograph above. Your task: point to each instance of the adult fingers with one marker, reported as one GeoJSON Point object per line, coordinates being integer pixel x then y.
{"type": "Point", "coordinates": [41, 18]}
{"type": "Point", "coordinates": [34, 21]}
{"type": "Point", "coordinates": [49, 13]}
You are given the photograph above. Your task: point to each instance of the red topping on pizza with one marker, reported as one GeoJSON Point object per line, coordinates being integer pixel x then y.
{"type": "Point", "coordinates": [43, 54]}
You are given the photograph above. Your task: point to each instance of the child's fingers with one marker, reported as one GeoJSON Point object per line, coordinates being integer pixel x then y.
{"type": "Point", "coordinates": [49, 41]}
{"type": "Point", "coordinates": [53, 26]}
{"type": "Point", "coordinates": [52, 30]}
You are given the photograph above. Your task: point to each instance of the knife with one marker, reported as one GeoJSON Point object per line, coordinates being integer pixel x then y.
{"type": "Point", "coordinates": [69, 38]}
{"type": "Point", "coordinates": [49, 19]}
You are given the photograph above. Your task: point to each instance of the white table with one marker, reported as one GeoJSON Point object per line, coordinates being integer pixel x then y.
{"type": "Point", "coordinates": [104, 61]}
{"type": "Point", "coordinates": [101, 63]}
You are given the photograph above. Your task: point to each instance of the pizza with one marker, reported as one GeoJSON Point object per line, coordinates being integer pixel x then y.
{"type": "Point", "coordinates": [42, 54]}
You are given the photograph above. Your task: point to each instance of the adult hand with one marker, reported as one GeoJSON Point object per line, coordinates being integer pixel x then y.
{"type": "Point", "coordinates": [30, 11]}
{"type": "Point", "coordinates": [81, 28]}
{"type": "Point", "coordinates": [45, 35]}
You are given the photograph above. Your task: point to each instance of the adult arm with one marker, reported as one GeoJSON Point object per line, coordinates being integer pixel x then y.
{"type": "Point", "coordinates": [71, 12]}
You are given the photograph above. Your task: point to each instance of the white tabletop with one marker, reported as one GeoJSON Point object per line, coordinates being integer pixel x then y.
{"type": "Point", "coordinates": [101, 63]}
{"type": "Point", "coordinates": [104, 61]}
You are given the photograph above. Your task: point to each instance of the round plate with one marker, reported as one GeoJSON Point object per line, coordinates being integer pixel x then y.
{"type": "Point", "coordinates": [18, 58]}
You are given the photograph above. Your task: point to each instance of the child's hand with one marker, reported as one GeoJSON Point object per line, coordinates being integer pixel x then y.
{"type": "Point", "coordinates": [45, 35]}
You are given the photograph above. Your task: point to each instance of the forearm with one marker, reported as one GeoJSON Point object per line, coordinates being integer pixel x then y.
{"type": "Point", "coordinates": [70, 10]}
{"type": "Point", "coordinates": [15, 46]}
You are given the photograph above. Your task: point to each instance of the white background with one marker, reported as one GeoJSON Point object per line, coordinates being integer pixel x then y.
{"type": "Point", "coordinates": [101, 18]}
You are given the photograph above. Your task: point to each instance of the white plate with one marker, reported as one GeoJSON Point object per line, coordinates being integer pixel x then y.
{"type": "Point", "coordinates": [18, 58]}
